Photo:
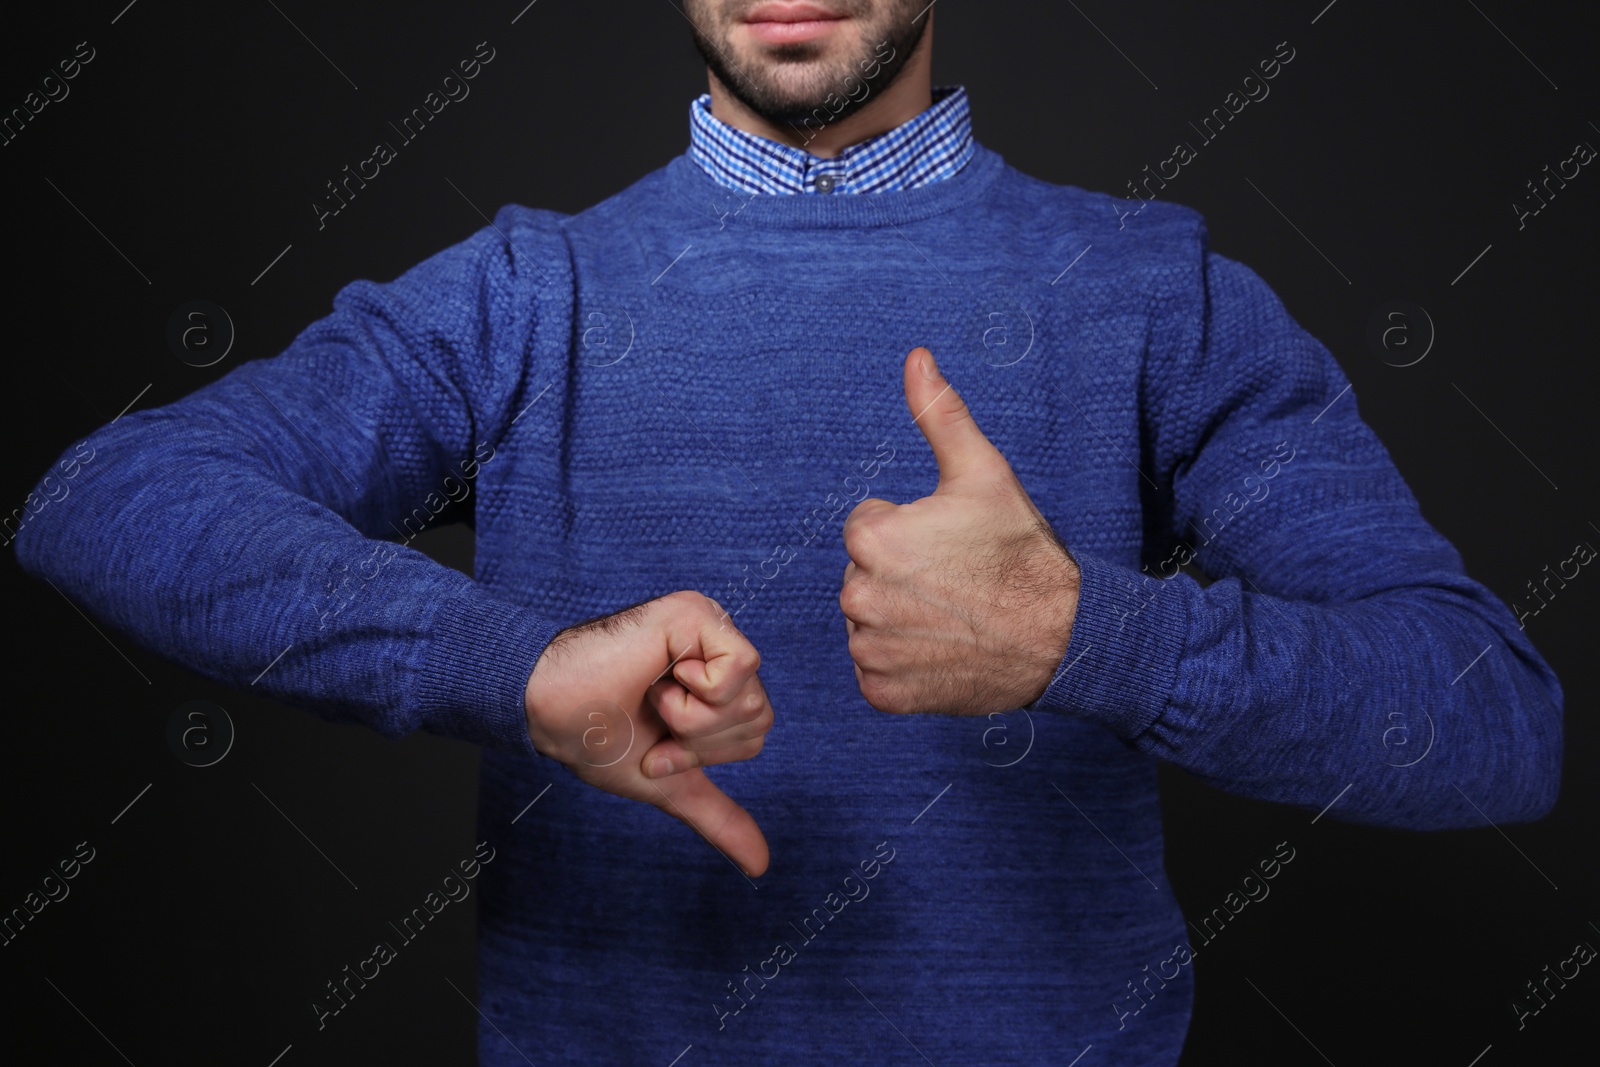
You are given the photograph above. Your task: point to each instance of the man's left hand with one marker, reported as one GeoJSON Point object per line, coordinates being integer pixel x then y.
{"type": "Point", "coordinates": [961, 602]}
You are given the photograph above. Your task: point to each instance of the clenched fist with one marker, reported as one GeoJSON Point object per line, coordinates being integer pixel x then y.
{"type": "Point", "coordinates": [961, 602]}
{"type": "Point", "coordinates": [636, 702]}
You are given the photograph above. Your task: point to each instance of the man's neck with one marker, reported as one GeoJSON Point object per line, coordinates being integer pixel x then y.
{"type": "Point", "coordinates": [909, 96]}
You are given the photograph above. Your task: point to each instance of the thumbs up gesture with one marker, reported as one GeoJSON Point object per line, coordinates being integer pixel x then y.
{"type": "Point", "coordinates": [961, 602]}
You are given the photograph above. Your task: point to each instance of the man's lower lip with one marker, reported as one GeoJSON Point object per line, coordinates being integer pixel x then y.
{"type": "Point", "coordinates": [787, 32]}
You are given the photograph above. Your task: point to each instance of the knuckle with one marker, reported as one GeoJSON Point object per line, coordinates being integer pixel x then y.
{"type": "Point", "coordinates": [679, 713]}
{"type": "Point", "coordinates": [697, 603]}
{"type": "Point", "coordinates": [850, 597]}
{"type": "Point", "coordinates": [665, 704]}
{"type": "Point", "coordinates": [851, 536]}
{"type": "Point", "coordinates": [753, 706]}
{"type": "Point", "coordinates": [886, 695]}
{"type": "Point", "coordinates": [874, 690]}
{"type": "Point", "coordinates": [861, 650]}
{"type": "Point", "coordinates": [866, 531]}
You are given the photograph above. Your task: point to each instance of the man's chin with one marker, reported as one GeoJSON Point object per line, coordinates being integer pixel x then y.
{"type": "Point", "coordinates": [790, 115]}
{"type": "Point", "coordinates": [812, 88]}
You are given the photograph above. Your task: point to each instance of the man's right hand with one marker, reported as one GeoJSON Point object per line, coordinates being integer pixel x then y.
{"type": "Point", "coordinates": [636, 702]}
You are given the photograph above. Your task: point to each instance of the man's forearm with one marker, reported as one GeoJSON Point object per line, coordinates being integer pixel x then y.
{"type": "Point", "coordinates": [236, 530]}
{"type": "Point", "coordinates": [1422, 700]}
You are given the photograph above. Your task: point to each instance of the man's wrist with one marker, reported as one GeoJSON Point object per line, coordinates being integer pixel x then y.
{"type": "Point", "coordinates": [471, 684]}
{"type": "Point", "coordinates": [1120, 665]}
{"type": "Point", "coordinates": [1061, 609]}
{"type": "Point", "coordinates": [535, 702]}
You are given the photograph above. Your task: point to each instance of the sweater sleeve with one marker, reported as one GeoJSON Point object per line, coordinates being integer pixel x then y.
{"type": "Point", "coordinates": [252, 531]}
{"type": "Point", "coordinates": [1340, 653]}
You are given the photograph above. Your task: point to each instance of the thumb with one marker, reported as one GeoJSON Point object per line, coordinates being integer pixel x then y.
{"type": "Point", "coordinates": [939, 412]}
{"type": "Point", "coordinates": [693, 798]}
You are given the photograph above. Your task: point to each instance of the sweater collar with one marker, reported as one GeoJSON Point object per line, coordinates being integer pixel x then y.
{"type": "Point", "coordinates": [930, 147]}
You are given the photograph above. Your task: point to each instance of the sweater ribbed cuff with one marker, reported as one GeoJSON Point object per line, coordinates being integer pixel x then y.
{"type": "Point", "coordinates": [475, 675]}
{"type": "Point", "coordinates": [1122, 660]}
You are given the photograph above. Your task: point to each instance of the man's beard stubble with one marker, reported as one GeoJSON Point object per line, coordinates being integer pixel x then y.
{"type": "Point", "coordinates": [823, 91]}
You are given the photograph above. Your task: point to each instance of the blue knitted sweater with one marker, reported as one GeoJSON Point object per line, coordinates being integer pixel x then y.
{"type": "Point", "coordinates": [682, 388]}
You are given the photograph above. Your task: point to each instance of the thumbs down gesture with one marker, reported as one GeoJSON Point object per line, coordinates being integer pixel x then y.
{"type": "Point", "coordinates": [962, 602]}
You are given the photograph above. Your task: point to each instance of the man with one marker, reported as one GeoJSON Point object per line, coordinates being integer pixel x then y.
{"type": "Point", "coordinates": [699, 398]}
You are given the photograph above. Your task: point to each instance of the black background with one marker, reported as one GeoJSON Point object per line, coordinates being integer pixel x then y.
{"type": "Point", "coordinates": [187, 157]}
